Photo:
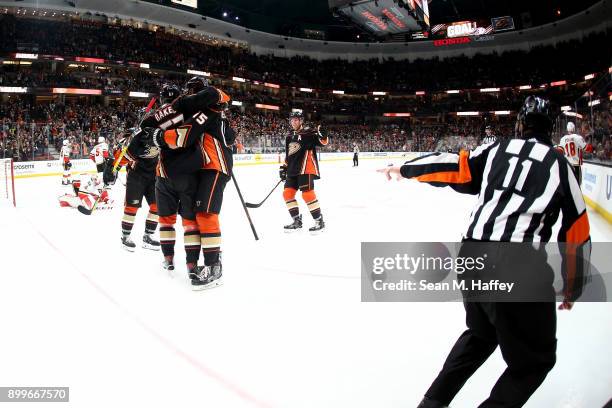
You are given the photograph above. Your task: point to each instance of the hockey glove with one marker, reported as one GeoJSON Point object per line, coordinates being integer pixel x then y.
{"type": "Point", "coordinates": [109, 176]}
{"type": "Point", "coordinates": [282, 172]}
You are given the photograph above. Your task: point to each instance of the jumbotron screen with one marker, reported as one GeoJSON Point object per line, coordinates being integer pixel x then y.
{"type": "Point", "coordinates": [384, 17]}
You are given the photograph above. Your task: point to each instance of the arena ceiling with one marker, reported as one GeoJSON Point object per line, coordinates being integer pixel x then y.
{"type": "Point", "coordinates": [291, 17]}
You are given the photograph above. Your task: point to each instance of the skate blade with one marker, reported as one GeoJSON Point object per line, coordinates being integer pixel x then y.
{"type": "Point", "coordinates": [128, 248]}
{"type": "Point", "coordinates": [317, 232]}
{"type": "Point", "coordinates": [171, 271]}
{"type": "Point", "coordinates": [151, 247]}
{"type": "Point", "coordinates": [211, 285]}
{"type": "Point", "coordinates": [292, 231]}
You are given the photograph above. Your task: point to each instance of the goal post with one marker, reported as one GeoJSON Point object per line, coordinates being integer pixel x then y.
{"type": "Point", "coordinates": [7, 183]}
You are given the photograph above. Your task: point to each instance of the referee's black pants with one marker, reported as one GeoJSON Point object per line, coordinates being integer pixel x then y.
{"type": "Point", "coordinates": [526, 335]}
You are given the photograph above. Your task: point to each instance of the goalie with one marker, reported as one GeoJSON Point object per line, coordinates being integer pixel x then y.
{"type": "Point", "coordinates": [88, 191]}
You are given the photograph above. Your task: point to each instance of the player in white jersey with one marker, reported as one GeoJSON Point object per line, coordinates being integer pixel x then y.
{"type": "Point", "coordinates": [99, 154]}
{"type": "Point", "coordinates": [355, 155]}
{"type": "Point", "coordinates": [573, 146]}
{"type": "Point", "coordinates": [87, 189]}
{"type": "Point", "coordinates": [65, 160]}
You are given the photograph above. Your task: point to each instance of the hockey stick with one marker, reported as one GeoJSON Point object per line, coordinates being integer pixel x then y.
{"type": "Point", "coordinates": [84, 210]}
{"type": "Point", "coordinates": [246, 211]}
{"type": "Point", "coordinates": [251, 205]}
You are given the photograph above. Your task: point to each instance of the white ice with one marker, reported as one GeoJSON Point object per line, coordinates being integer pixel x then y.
{"type": "Point", "coordinates": [287, 329]}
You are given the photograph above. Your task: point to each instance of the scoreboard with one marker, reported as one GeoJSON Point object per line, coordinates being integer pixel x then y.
{"type": "Point", "coordinates": [384, 17]}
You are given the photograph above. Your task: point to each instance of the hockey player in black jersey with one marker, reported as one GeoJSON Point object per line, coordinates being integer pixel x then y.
{"type": "Point", "coordinates": [300, 170]}
{"type": "Point", "coordinates": [205, 130]}
{"type": "Point", "coordinates": [140, 162]}
{"type": "Point", "coordinates": [176, 185]}
{"type": "Point", "coordinates": [523, 185]}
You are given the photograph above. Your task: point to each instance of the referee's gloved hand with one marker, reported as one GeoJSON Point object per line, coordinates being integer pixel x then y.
{"type": "Point", "coordinates": [282, 172]}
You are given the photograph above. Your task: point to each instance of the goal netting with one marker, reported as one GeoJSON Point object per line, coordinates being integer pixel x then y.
{"type": "Point", "coordinates": [7, 183]}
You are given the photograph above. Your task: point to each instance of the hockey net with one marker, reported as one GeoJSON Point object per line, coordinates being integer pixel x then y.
{"type": "Point", "coordinates": [7, 183]}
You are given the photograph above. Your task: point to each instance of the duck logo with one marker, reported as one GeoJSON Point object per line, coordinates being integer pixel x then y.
{"type": "Point", "coordinates": [294, 147]}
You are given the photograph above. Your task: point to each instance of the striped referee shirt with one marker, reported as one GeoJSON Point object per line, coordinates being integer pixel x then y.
{"type": "Point", "coordinates": [489, 139]}
{"type": "Point", "coordinates": [522, 187]}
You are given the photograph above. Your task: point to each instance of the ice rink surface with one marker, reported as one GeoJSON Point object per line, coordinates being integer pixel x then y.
{"type": "Point", "coordinates": [287, 329]}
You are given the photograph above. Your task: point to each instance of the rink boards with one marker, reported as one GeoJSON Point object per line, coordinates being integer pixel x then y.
{"type": "Point", "coordinates": [54, 167]}
{"type": "Point", "coordinates": [596, 183]}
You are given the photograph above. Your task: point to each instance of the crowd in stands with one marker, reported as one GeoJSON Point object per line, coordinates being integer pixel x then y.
{"type": "Point", "coordinates": [30, 131]}
{"type": "Point", "coordinates": [568, 60]}
{"type": "Point", "coordinates": [31, 128]}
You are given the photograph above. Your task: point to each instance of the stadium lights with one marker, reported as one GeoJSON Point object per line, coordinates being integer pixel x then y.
{"type": "Point", "coordinates": [87, 59]}
{"type": "Point", "coordinates": [238, 79]}
{"type": "Point", "coordinates": [594, 102]}
{"type": "Point", "coordinates": [200, 73]}
{"type": "Point", "coordinates": [500, 113]}
{"type": "Point", "coordinates": [336, 92]}
{"type": "Point", "coordinates": [77, 91]}
{"type": "Point", "coordinates": [379, 93]}
{"type": "Point", "coordinates": [268, 107]}
{"type": "Point", "coordinates": [22, 55]}
{"type": "Point", "coordinates": [143, 65]}
{"type": "Point", "coordinates": [573, 114]}
{"type": "Point", "coordinates": [236, 103]}
{"type": "Point", "coordinates": [566, 108]}
{"type": "Point", "coordinates": [139, 94]}
{"type": "Point", "coordinates": [489, 90]}
{"type": "Point", "coordinates": [398, 115]}
{"type": "Point", "coordinates": [306, 90]}
{"type": "Point", "coordinates": [590, 76]}
{"type": "Point", "coordinates": [13, 89]}
{"type": "Point", "coordinates": [453, 91]}
{"type": "Point", "coordinates": [558, 83]}
{"type": "Point", "coordinates": [468, 113]}
{"type": "Point", "coordinates": [524, 87]}
{"type": "Point", "coordinates": [271, 85]}
{"type": "Point", "coordinates": [419, 93]}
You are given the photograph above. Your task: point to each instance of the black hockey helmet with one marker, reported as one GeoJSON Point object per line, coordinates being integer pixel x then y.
{"type": "Point", "coordinates": [296, 114]}
{"type": "Point", "coordinates": [534, 117]}
{"type": "Point", "coordinates": [168, 93]}
{"type": "Point", "coordinates": [194, 85]}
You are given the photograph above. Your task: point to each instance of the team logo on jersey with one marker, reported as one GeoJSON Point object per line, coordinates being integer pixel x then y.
{"type": "Point", "coordinates": [150, 152]}
{"type": "Point", "coordinates": [294, 147]}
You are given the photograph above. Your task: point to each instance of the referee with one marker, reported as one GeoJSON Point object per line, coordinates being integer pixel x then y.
{"type": "Point", "coordinates": [355, 155]}
{"type": "Point", "coordinates": [489, 136]}
{"type": "Point", "coordinates": [523, 185]}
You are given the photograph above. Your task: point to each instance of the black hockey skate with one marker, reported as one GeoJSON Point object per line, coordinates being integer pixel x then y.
{"type": "Point", "coordinates": [207, 277]}
{"type": "Point", "coordinates": [149, 243]}
{"type": "Point", "coordinates": [168, 264]}
{"type": "Point", "coordinates": [295, 225]}
{"type": "Point", "coordinates": [319, 225]}
{"type": "Point", "coordinates": [127, 243]}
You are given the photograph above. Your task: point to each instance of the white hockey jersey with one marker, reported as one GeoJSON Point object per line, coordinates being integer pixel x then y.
{"type": "Point", "coordinates": [65, 154]}
{"type": "Point", "coordinates": [99, 153]}
{"type": "Point", "coordinates": [573, 146]}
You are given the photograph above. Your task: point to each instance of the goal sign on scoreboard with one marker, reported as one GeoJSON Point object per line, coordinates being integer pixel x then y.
{"type": "Point", "coordinates": [384, 17]}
